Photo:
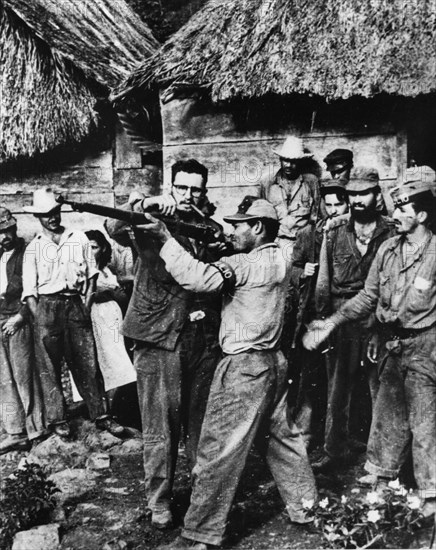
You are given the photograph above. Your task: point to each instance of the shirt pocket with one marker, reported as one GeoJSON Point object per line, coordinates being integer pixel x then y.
{"type": "Point", "coordinates": [342, 267]}
{"type": "Point", "coordinates": [421, 299]}
{"type": "Point", "coordinates": [385, 297]}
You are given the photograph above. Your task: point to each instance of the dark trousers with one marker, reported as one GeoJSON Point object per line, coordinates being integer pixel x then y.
{"type": "Point", "coordinates": [173, 387]}
{"type": "Point", "coordinates": [344, 365]}
{"type": "Point", "coordinates": [63, 330]}
{"type": "Point", "coordinates": [20, 395]}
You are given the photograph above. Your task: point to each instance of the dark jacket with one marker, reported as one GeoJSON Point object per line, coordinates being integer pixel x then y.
{"type": "Point", "coordinates": [10, 301]}
{"type": "Point", "coordinates": [159, 307]}
{"type": "Point", "coordinates": [343, 270]}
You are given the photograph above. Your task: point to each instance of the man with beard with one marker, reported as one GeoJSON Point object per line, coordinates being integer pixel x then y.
{"type": "Point", "coordinates": [347, 252]}
{"type": "Point", "coordinates": [21, 401]}
{"type": "Point", "coordinates": [175, 335]}
{"type": "Point", "coordinates": [401, 290]}
{"type": "Point", "coordinates": [304, 272]}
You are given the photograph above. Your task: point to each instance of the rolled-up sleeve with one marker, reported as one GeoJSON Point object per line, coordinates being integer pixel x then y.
{"type": "Point", "coordinates": [30, 272]}
{"type": "Point", "coordinates": [190, 273]}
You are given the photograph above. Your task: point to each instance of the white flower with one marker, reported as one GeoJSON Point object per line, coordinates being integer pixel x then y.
{"type": "Point", "coordinates": [413, 502]}
{"type": "Point", "coordinates": [324, 503]}
{"type": "Point", "coordinates": [373, 516]}
{"type": "Point", "coordinates": [308, 503]}
{"type": "Point", "coordinates": [373, 497]}
{"type": "Point", "coordinates": [356, 490]}
{"type": "Point", "coordinates": [344, 499]}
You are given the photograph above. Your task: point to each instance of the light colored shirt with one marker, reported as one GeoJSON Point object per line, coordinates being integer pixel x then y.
{"type": "Point", "coordinates": [252, 313]}
{"type": "Point", "coordinates": [293, 200]}
{"type": "Point", "coordinates": [3, 270]}
{"type": "Point", "coordinates": [49, 268]}
{"type": "Point", "coordinates": [402, 292]}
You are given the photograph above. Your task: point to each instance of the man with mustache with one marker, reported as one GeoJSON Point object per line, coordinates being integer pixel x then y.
{"type": "Point", "coordinates": [21, 402]}
{"type": "Point", "coordinates": [339, 163]}
{"type": "Point", "coordinates": [293, 191]}
{"type": "Point", "coordinates": [175, 335]}
{"type": "Point", "coordinates": [401, 290]}
{"type": "Point", "coordinates": [347, 252]}
{"type": "Point", "coordinates": [58, 286]}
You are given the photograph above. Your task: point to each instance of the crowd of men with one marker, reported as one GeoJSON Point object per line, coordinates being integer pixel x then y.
{"type": "Point", "coordinates": [316, 284]}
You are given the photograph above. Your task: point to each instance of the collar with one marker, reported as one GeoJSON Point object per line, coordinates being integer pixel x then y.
{"type": "Point", "coordinates": [66, 234]}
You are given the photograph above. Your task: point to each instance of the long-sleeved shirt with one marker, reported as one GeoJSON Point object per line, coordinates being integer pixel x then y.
{"type": "Point", "coordinates": [343, 269]}
{"type": "Point", "coordinates": [50, 268]}
{"type": "Point", "coordinates": [403, 293]}
{"type": "Point", "coordinates": [10, 299]}
{"type": "Point", "coordinates": [295, 202]}
{"type": "Point", "coordinates": [252, 314]}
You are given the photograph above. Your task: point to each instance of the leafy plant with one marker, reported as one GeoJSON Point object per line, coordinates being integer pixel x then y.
{"type": "Point", "coordinates": [27, 499]}
{"type": "Point", "coordinates": [363, 520]}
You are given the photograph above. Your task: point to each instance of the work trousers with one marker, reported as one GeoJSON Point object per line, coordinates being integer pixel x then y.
{"type": "Point", "coordinates": [344, 367]}
{"type": "Point", "coordinates": [21, 402]}
{"type": "Point", "coordinates": [173, 387]}
{"type": "Point", "coordinates": [247, 399]}
{"type": "Point", "coordinates": [63, 330]}
{"type": "Point", "coordinates": [405, 412]}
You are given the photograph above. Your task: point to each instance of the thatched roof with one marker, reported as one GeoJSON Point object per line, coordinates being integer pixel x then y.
{"type": "Point", "coordinates": [332, 48]}
{"type": "Point", "coordinates": [55, 55]}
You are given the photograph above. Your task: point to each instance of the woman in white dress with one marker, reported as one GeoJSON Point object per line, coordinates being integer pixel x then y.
{"type": "Point", "coordinates": [106, 316]}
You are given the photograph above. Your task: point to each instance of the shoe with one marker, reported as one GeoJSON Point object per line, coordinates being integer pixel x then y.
{"type": "Point", "coordinates": [108, 423]}
{"type": "Point", "coordinates": [180, 543]}
{"type": "Point", "coordinates": [162, 520]}
{"type": "Point", "coordinates": [62, 429]}
{"type": "Point", "coordinates": [356, 446]}
{"type": "Point", "coordinates": [14, 443]}
{"type": "Point", "coordinates": [330, 463]}
{"type": "Point", "coordinates": [369, 480]}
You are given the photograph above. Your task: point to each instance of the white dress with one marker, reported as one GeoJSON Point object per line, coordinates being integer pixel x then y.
{"type": "Point", "coordinates": [115, 364]}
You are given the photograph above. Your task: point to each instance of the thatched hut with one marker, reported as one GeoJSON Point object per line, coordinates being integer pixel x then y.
{"type": "Point", "coordinates": [59, 60]}
{"type": "Point", "coordinates": [243, 74]}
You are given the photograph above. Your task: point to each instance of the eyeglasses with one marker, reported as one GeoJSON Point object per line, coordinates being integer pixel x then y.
{"type": "Point", "coordinates": [196, 192]}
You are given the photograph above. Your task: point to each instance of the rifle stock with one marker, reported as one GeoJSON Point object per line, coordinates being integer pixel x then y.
{"type": "Point", "coordinates": [199, 231]}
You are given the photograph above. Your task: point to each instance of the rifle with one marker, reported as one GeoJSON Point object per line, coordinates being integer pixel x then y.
{"type": "Point", "coordinates": [199, 231]}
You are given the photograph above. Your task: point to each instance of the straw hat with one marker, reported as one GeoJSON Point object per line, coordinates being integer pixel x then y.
{"type": "Point", "coordinates": [43, 202]}
{"type": "Point", "coordinates": [292, 149]}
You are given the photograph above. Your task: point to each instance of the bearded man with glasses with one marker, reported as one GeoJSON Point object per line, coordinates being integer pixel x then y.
{"type": "Point", "coordinates": [175, 334]}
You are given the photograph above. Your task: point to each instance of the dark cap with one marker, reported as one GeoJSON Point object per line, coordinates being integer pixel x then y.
{"type": "Point", "coordinates": [6, 219]}
{"type": "Point", "coordinates": [362, 180]}
{"type": "Point", "coordinates": [339, 157]}
{"type": "Point", "coordinates": [408, 192]}
{"type": "Point", "coordinates": [253, 208]}
{"type": "Point", "coordinates": [333, 186]}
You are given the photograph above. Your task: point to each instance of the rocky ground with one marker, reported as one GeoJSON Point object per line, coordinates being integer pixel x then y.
{"type": "Point", "coordinates": [101, 506]}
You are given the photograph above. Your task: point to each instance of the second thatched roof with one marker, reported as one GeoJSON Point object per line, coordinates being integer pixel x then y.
{"type": "Point", "coordinates": [332, 48]}
{"type": "Point", "coordinates": [56, 56]}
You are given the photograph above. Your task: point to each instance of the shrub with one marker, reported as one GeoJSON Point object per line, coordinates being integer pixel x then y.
{"type": "Point", "coordinates": [27, 500]}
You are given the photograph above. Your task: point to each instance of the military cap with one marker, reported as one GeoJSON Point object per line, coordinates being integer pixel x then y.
{"type": "Point", "coordinates": [253, 208]}
{"type": "Point", "coordinates": [362, 180]}
{"type": "Point", "coordinates": [333, 186]}
{"type": "Point", "coordinates": [6, 219]}
{"type": "Point", "coordinates": [411, 190]}
{"type": "Point", "coordinates": [420, 173]}
{"type": "Point", "coordinates": [339, 158]}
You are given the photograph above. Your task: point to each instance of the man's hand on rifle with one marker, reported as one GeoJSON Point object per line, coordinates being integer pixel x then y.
{"type": "Point", "coordinates": [309, 269]}
{"type": "Point", "coordinates": [156, 229]}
